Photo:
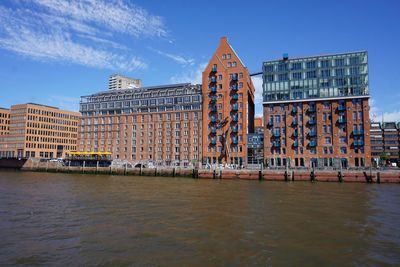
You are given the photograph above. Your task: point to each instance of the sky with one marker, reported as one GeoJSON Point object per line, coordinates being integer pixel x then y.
{"type": "Point", "coordinates": [54, 51]}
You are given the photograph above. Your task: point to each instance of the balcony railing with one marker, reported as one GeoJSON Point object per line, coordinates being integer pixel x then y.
{"type": "Point", "coordinates": [358, 132]}
{"type": "Point", "coordinates": [234, 141]}
{"type": "Point", "coordinates": [235, 96]}
{"type": "Point", "coordinates": [270, 123]}
{"type": "Point", "coordinates": [213, 141]}
{"type": "Point", "coordinates": [213, 89]}
{"type": "Point", "coordinates": [295, 123]}
{"type": "Point", "coordinates": [235, 129]}
{"type": "Point", "coordinates": [214, 69]}
{"type": "Point", "coordinates": [312, 134]}
{"type": "Point", "coordinates": [313, 144]}
{"type": "Point", "coordinates": [358, 143]}
{"type": "Point", "coordinates": [276, 134]}
{"type": "Point", "coordinates": [311, 109]}
{"type": "Point", "coordinates": [213, 108]}
{"type": "Point", "coordinates": [234, 87]}
{"type": "Point", "coordinates": [341, 108]}
{"type": "Point", "coordinates": [213, 130]}
{"type": "Point", "coordinates": [235, 107]}
{"type": "Point", "coordinates": [213, 79]}
{"type": "Point", "coordinates": [295, 134]}
{"type": "Point", "coordinates": [276, 144]}
{"type": "Point", "coordinates": [295, 144]}
{"type": "Point", "coordinates": [311, 122]}
{"type": "Point", "coordinates": [294, 110]}
{"type": "Point", "coordinates": [235, 118]}
{"type": "Point", "coordinates": [234, 78]}
{"type": "Point", "coordinates": [341, 120]}
{"type": "Point", "coordinates": [213, 98]}
{"type": "Point", "coordinates": [213, 119]}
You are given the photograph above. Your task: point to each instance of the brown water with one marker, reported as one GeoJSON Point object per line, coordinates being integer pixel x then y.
{"type": "Point", "coordinates": [88, 220]}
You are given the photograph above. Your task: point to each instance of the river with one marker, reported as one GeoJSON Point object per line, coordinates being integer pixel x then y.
{"type": "Point", "coordinates": [98, 220]}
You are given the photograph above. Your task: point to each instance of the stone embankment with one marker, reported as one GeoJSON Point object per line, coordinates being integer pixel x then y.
{"type": "Point", "coordinates": [374, 176]}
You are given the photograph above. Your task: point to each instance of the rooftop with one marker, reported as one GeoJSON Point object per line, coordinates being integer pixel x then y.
{"type": "Point", "coordinates": [316, 56]}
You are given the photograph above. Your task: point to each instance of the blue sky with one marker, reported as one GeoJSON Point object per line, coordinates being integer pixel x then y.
{"type": "Point", "coordinates": [54, 51]}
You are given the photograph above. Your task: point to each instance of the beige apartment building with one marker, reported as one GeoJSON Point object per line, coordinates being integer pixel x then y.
{"type": "Point", "coordinates": [158, 124]}
{"type": "Point", "coordinates": [4, 121]}
{"type": "Point", "coordinates": [119, 82]}
{"type": "Point", "coordinates": [39, 131]}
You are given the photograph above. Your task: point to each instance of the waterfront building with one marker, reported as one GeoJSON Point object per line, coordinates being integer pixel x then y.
{"type": "Point", "coordinates": [39, 131]}
{"type": "Point", "coordinates": [228, 107]}
{"type": "Point", "coordinates": [377, 147]}
{"type": "Point", "coordinates": [391, 141]}
{"type": "Point", "coordinates": [4, 121]}
{"type": "Point", "coordinates": [316, 111]}
{"type": "Point", "coordinates": [119, 82]}
{"type": "Point", "coordinates": [158, 124]}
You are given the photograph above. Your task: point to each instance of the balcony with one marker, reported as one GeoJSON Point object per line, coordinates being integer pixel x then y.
{"type": "Point", "coordinates": [358, 143]}
{"type": "Point", "coordinates": [295, 144]}
{"type": "Point", "coordinates": [311, 122]}
{"type": "Point", "coordinates": [235, 118]}
{"type": "Point", "coordinates": [213, 79]}
{"type": "Point", "coordinates": [235, 107]}
{"type": "Point", "coordinates": [213, 108]}
{"type": "Point", "coordinates": [294, 110]}
{"type": "Point", "coordinates": [213, 119]}
{"type": "Point", "coordinates": [295, 134]}
{"type": "Point", "coordinates": [234, 78]}
{"type": "Point", "coordinates": [234, 141]}
{"type": "Point", "coordinates": [341, 120]}
{"type": "Point", "coordinates": [312, 134]}
{"type": "Point", "coordinates": [213, 98]}
{"type": "Point", "coordinates": [234, 87]}
{"type": "Point", "coordinates": [235, 97]}
{"type": "Point", "coordinates": [213, 130]}
{"type": "Point", "coordinates": [295, 123]}
{"type": "Point", "coordinates": [358, 132]}
{"type": "Point", "coordinates": [213, 89]}
{"type": "Point", "coordinates": [276, 144]}
{"type": "Point", "coordinates": [235, 129]}
{"type": "Point", "coordinates": [276, 134]}
{"type": "Point", "coordinates": [214, 69]}
{"type": "Point", "coordinates": [311, 109]}
{"type": "Point", "coordinates": [270, 123]}
{"type": "Point", "coordinates": [341, 108]}
{"type": "Point", "coordinates": [213, 141]}
{"type": "Point", "coordinates": [312, 144]}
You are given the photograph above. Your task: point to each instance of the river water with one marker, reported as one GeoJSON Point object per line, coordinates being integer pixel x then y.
{"type": "Point", "coordinates": [89, 220]}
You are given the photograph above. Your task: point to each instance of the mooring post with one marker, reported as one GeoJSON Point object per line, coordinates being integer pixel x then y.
{"type": "Point", "coordinates": [293, 175]}
{"type": "Point", "coordinates": [97, 166]}
{"type": "Point", "coordinates": [378, 177]}
{"type": "Point", "coordinates": [83, 167]}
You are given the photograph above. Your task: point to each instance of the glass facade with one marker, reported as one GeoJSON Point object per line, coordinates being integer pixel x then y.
{"type": "Point", "coordinates": [329, 76]}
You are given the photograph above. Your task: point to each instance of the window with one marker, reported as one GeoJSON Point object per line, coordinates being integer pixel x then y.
{"type": "Point", "coordinates": [296, 66]}
{"type": "Point", "coordinates": [325, 73]}
{"type": "Point", "coordinates": [339, 62]}
{"type": "Point", "coordinates": [283, 77]}
{"type": "Point", "coordinates": [311, 74]}
{"type": "Point", "coordinates": [339, 72]}
{"type": "Point", "coordinates": [270, 77]}
{"type": "Point", "coordinates": [296, 75]}
{"type": "Point", "coordinates": [311, 64]}
{"type": "Point", "coordinates": [325, 63]}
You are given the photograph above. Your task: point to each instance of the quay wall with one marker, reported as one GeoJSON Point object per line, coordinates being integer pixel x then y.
{"type": "Point", "coordinates": [359, 176]}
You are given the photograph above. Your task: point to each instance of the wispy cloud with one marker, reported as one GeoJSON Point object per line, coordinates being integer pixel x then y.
{"type": "Point", "coordinates": [77, 31]}
{"type": "Point", "coordinates": [377, 115]}
{"type": "Point", "coordinates": [177, 58]}
{"type": "Point", "coordinates": [193, 75]}
{"type": "Point", "coordinates": [257, 82]}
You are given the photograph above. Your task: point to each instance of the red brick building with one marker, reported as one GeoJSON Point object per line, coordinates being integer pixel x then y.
{"type": "Point", "coordinates": [228, 107]}
{"type": "Point", "coordinates": [316, 111]}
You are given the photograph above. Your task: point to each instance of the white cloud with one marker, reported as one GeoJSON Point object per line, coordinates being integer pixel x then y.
{"type": "Point", "coordinates": [114, 15]}
{"type": "Point", "coordinates": [376, 114]}
{"type": "Point", "coordinates": [77, 31]}
{"type": "Point", "coordinates": [257, 82]}
{"type": "Point", "coordinates": [179, 59]}
{"type": "Point", "coordinates": [193, 75]}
